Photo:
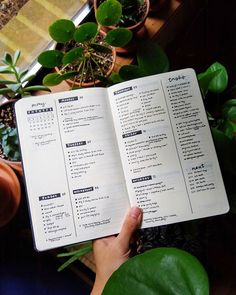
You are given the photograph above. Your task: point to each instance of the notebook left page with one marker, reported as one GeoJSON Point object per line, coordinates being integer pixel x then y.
{"type": "Point", "coordinates": [72, 168]}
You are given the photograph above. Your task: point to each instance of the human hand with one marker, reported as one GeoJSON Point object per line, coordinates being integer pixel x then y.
{"type": "Point", "coordinates": [111, 252]}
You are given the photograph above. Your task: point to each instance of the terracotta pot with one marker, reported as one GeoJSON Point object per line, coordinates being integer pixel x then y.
{"type": "Point", "coordinates": [10, 194]}
{"type": "Point", "coordinates": [16, 165]}
{"type": "Point", "coordinates": [96, 82]}
{"type": "Point", "coordinates": [135, 28]}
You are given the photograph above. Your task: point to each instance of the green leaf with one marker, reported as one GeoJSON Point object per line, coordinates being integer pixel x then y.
{"type": "Point", "coordinates": [152, 59]}
{"type": "Point", "coordinates": [115, 78]}
{"type": "Point", "coordinates": [52, 79]}
{"type": "Point", "coordinates": [29, 78]}
{"type": "Point", "coordinates": [72, 55]}
{"type": "Point", "coordinates": [50, 58]}
{"type": "Point", "coordinates": [23, 73]}
{"type": "Point", "coordinates": [129, 72]}
{"type": "Point", "coordinates": [229, 106]}
{"type": "Point", "coordinates": [68, 75]}
{"type": "Point", "coordinates": [76, 255]}
{"type": "Point", "coordinates": [220, 82]}
{"type": "Point", "coordinates": [36, 88]}
{"type": "Point", "coordinates": [100, 48]}
{"type": "Point", "coordinates": [85, 32]}
{"type": "Point", "coordinates": [15, 87]}
{"type": "Point", "coordinates": [119, 37]}
{"type": "Point", "coordinates": [6, 70]}
{"type": "Point", "coordinates": [7, 59]}
{"type": "Point", "coordinates": [231, 114]}
{"type": "Point", "coordinates": [161, 271]}
{"type": "Point", "coordinates": [5, 82]}
{"type": "Point", "coordinates": [204, 80]}
{"type": "Point", "coordinates": [62, 30]}
{"type": "Point", "coordinates": [16, 56]}
{"type": "Point", "coordinates": [109, 13]}
{"type": "Point", "coordinates": [55, 79]}
{"type": "Point", "coordinates": [5, 90]}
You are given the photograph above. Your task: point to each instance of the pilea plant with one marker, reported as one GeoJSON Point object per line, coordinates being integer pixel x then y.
{"type": "Point", "coordinates": [9, 142]}
{"type": "Point", "coordinates": [16, 86]}
{"type": "Point", "coordinates": [122, 13]}
{"type": "Point", "coordinates": [85, 52]}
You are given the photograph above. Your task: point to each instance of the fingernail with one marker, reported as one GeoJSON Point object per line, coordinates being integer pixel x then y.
{"type": "Point", "coordinates": [135, 212]}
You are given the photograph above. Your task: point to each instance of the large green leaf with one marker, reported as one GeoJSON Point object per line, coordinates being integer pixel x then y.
{"type": "Point", "coordinates": [62, 30]}
{"type": "Point", "coordinates": [152, 59]}
{"type": "Point", "coordinates": [204, 80]}
{"type": "Point", "coordinates": [6, 70]}
{"type": "Point", "coordinates": [85, 32]}
{"type": "Point", "coordinates": [129, 72]}
{"type": "Point", "coordinates": [220, 82]}
{"type": "Point", "coordinates": [109, 13]}
{"type": "Point", "coordinates": [53, 79]}
{"type": "Point", "coordinates": [119, 37]}
{"type": "Point", "coordinates": [16, 56]}
{"type": "Point", "coordinates": [162, 271]}
{"type": "Point", "coordinates": [51, 58]}
{"type": "Point", "coordinates": [72, 55]}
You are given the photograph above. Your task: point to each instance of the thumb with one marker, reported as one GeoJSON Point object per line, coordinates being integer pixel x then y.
{"type": "Point", "coordinates": [131, 223]}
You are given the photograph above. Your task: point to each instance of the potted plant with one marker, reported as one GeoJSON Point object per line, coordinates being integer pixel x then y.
{"type": "Point", "coordinates": [9, 194]}
{"type": "Point", "coordinates": [84, 53]}
{"type": "Point", "coordinates": [14, 87]}
{"type": "Point", "coordinates": [130, 14]}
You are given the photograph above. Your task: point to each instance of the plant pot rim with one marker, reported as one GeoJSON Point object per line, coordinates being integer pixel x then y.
{"type": "Point", "coordinates": [16, 165]}
{"type": "Point", "coordinates": [135, 27]}
{"type": "Point", "coordinates": [96, 82]}
{"type": "Point", "coordinates": [14, 192]}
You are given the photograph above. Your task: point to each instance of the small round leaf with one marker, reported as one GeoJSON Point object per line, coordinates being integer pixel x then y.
{"type": "Point", "coordinates": [85, 32]}
{"type": "Point", "coordinates": [119, 37]}
{"type": "Point", "coordinates": [72, 55]}
{"type": "Point", "coordinates": [62, 30]}
{"type": "Point", "coordinates": [52, 79]}
{"type": "Point", "coordinates": [159, 271]}
{"type": "Point", "coordinates": [109, 13]}
{"type": "Point", "coordinates": [50, 58]}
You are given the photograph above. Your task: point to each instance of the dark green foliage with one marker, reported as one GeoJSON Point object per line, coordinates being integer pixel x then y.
{"type": "Point", "coordinates": [162, 271]}
{"type": "Point", "coordinates": [16, 84]}
{"type": "Point", "coordinates": [9, 142]}
{"type": "Point", "coordinates": [84, 54]}
{"type": "Point", "coordinates": [124, 13]}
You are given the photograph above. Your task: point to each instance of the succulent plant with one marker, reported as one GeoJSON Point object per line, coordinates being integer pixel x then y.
{"type": "Point", "coordinates": [16, 86]}
{"type": "Point", "coordinates": [9, 142]}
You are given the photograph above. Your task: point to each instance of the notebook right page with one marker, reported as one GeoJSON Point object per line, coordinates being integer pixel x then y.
{"type": "Point", "coordinates": [166, 147]}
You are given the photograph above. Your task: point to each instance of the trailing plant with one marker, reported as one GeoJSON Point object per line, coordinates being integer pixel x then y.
{"type": "Point", "coordinates": [84, 52]}
{"type": "Point", "coordinates": [16, 86]}
{"type": "Point", "coordinates": [122, 13]}
{"type": "Point", "coordinates": [221, 109]}
{"type": "Point", "coordinates": [9, 142]}
{"type": "Point", "coordinates": [74, 254]}
{"type": "Point", "coordinates": [159, 271]}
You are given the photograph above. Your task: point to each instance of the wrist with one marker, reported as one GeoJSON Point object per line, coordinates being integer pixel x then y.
{"type": "Point", "coordinates": [98, 286]}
